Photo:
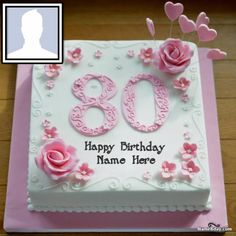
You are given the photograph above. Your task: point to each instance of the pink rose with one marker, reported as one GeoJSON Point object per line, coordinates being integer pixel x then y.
{"type": "Point", "coordinates": [173, 56]}
{"type": "Point", "coordinates": [189, 169]}
{"type": "Point", "coordinates": [83, 174]}
{"type": "Point", "coordinates": [188, 151]}
{"type": "Point", "coordinates": [57, 159]}
{"type": "Point", "coordinates": [74, 56]}
{"type": "Point", "coordinates": [52, 70]}
{"type": "Point", "coordinates": [146, 55]}
{"type": "Point", "coordinates": [168, 169]}
{"type": "Point", "coordinates": [181, 84]}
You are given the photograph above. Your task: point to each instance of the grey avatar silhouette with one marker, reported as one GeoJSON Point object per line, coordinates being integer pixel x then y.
{"type": "Point", "coordinates": [32, 29]}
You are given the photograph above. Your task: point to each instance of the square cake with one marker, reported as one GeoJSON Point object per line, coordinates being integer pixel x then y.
{"type": "Point", "coordinates": [112, 131]}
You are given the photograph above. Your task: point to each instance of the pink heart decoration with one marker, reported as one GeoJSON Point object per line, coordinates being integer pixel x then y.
{"type": "Point", "coordinates": [150, 26]}
{"type": "Point", "coordinates": [216, 54]}
{"type": "Point", "coordinates": [202, 19]}
{"type": "Point", "coordinates": [173, 11]}
{"type": "Point", "coordinates": [186, 25]}
{"type": "Point", "coordinates": [205, 34]}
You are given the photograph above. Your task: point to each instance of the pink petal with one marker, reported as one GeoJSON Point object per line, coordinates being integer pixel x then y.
{"type": "Point", "coordinates": [182, 151]}
{"type": "Point", "coordinates": [186, 156]}
{"type": "Point", "coordinates": [84, 166]}
{"type": "Point", "coordinates": [190, 164]}
{"type": "Point", "coordinates": [56, 177]}
{"type": "Point", "coordinates": [70, 149]}
{"type": "Point", "coordinates": [56, 144]}
{"type": "Point", "coordinates": [39, 161]}
{"type": "Point", "coordinates": [184, 172]}
{"type": "Point", "coordinates": [193, 147]}
{"type": "Point", "coordinates": [90, 171]}
{"type": "Point", "coordinates": [196, 169]}
{"type": "Point", "coordinates": [164, 164]}
{"type": "Point", "coordinates": [184, 165]}
{"type": "Point", "coordinates": [165, 174]}
{"type": "Point", "coordinates": [53, 168]}
{"type": "Point", "coordinates": [172, 166]}
{"type": "Point", "coordinates": [186, 146]}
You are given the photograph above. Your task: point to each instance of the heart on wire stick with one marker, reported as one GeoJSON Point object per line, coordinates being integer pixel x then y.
{"type": "Point", "coordinates": [202, 19]}
{"type": "Point", "coordinates": [216, 54]}
{"type": "Point", "coordinates": [173, 11]}
{"type": "Point", "coordinates": [150, 26]}
{"type": "Point", "coordinates": [205, 34]}
{"type": "Point", "coordinates": [186, 25]}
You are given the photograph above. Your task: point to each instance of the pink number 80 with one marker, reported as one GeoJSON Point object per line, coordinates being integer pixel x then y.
{"type": "Point", "coordinates": [110, 112]}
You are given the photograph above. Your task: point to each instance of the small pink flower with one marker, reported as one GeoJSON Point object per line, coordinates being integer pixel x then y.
{"type": "Point", "coordinates": [168, 169]}
{"type": "Point", "coordinates": [50, 84]}
{"type": "Point", "coordinates": [146, 55]}
{"type": "Point", "coordinates": [84, 173]}
{"type": "Point", "coordinates": [184, 97]}
{"type": "Point", "coordinates": [74, 56]}
{"type": "Point", "coordinates": [189, 169]}
{"type": "Point", "coordinates": [50, 133]}
{"type": "Point", "coordinates": [147, 176]}
{"type": "Point", "coordinates": [46, 124]}
{"type": "Point", "coordinates": [188, 151]}
{"type": "Point", "coordinates": [57, 159]}
{"type": "Point", "coordinates": [181, 84]}
{"type": "Point", "coordinates": [187, 136]}
{"type": "Point", "coordinates": [98, 54]}
{"type": "Point", "coordinates": [130, 53]}
{"type": "Point", "coordinates": [173, 56]}
{"type": "Point", "coordinates": [52, 70]}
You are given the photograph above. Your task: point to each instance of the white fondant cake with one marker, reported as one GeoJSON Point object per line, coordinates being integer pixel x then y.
{"type": "Point", "coordinates": [149, 151]}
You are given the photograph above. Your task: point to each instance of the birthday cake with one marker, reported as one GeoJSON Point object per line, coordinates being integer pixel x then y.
{"type": "Point", "coordinates": [120, 125]}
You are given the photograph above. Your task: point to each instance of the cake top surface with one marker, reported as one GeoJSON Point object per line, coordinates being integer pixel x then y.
{"type": "Point", "coordinates": [143, 153]}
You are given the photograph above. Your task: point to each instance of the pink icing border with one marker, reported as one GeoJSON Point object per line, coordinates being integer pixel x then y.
{"type": "Point", "coordinates": [110, 113]}
{"type": "Point", "coordinates": [161, 102]}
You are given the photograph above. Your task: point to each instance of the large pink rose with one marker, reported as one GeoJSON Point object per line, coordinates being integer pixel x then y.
{"type": "Point", "coordinates": [173, 56]}
{"type": "Point", "coordinates": [57, 159]}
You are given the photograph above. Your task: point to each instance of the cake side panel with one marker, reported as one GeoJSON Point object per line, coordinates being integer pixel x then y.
{"type": "Point", "coordinates": [120, 201]}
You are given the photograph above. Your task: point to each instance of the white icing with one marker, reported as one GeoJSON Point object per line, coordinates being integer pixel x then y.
{"type": "Point", "coordinates": [119, 187]}
{"type": "Point", "coordinates": [130, 208]}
